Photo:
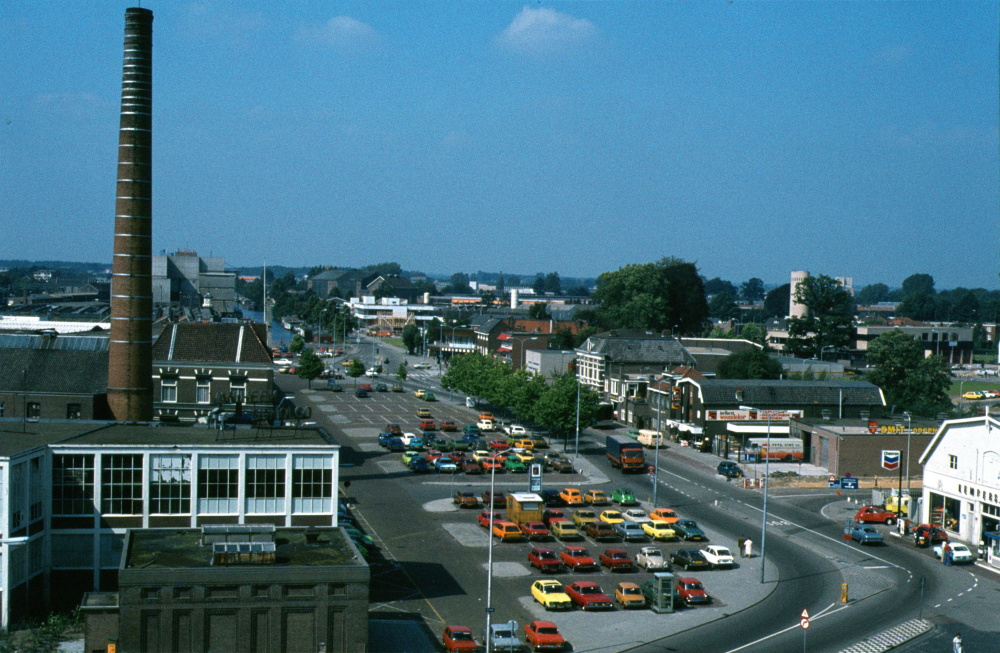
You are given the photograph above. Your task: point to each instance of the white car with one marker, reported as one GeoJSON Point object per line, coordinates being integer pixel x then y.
{"type": "Point", "coordinates": [638, 515]}
{"type": "Point", "coordinates": [371, 372]}
{"type": "Point", "coordinates": [407, 438]}
{"type": "Point", "coordinates": [515, 430]}
{"type": "Point", "coordinates": [421, 366]}
{"type": "Point", "coordinates": [651, 558]}
{"type": "Point", "coordinates": [283, 361]}
{"type": "Point", "coordinates": [960, 553]}
{"type": "Point", "coordinates": [719, 556]}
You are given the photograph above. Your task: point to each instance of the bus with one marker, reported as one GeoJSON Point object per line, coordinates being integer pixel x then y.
{"type": "Point", "coordinates": [783, 449]}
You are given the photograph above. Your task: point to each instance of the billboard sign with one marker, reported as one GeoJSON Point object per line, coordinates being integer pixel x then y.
{"type": "Point", "coordinates": [890, 459]}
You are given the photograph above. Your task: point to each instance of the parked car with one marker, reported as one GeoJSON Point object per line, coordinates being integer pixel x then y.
{"type": "Point", "coordinates": [423, 412]}
{"type": "Point", "coordinates": [596, 498]}
{"type": "Point", "coordinates": [503, 637]}
{"type": "Point", "coordinates": [497, 499]}
{"type": "Point", "coordinates": [470, 466]}
{"type": "Point", "coordinates": [561, 465]}
{"type": "Point", "coordinates": [381, 387]}
{"type": "Point", "coordinates": [691, 591]}
{"type": "Point", "coordinates": [866, 534]}
{"type": "Point", "coordinates": [729, 469]}
{"type": "Point", "coordinates": [600, 531]}
{"type": "Point", "coordinates": [448, 425]}
{"type": "Point", "coordinates": [419, 464]}
{"type": "Point", "coordinates": [629, 595]}
{"type": "Point", "coordinates": [689, 558]}
{"type": "Point", "coordinates": [515, 466]}
{"type": "Point", "coordinates": [553, 515]}
{"type": "Point", "coordinates": [650, 558]}
{"type": "Point", "coordinates": [492, 464]}
{"type": "Point", "coordinates": [665, 515]}
{"type": "Point", "coordinates": [408, 456]}
{"type": "Point", "coordinates": [485, 516]}
{"type": "Point", "coordinates": [534, 530]}
{"type": "Point", "coordinates": [507, 531]}
{"type": "Point", "coordinates": [544, 636]}
{"type": "Point", "coordinates": [928, 534]}
{"type": "Point", "coordinates": [611, 517]}
{"type": "Point", "coordinates": [616, 560]}
{"type": "Point", "coordinates": [659, 530]}
{"type": "Point", "coordinates": [366, 387]}
{"type": "Point", "coordinates": [551, 595]}
{"type": "Point", "coordinates": [395, 444]}
{"type": "Point", "coordinates": [572, 496]}
{"type": "Point", "coordinates": [577, 559]}
{"type": "Point", "coordinates": [429, 396]}
{"type": "Point", "coordinates": [875, 515]}
{"type": "Point", "coordinates": [687, 529]}
{"type": "Point", "coordinates": [583, 517]}
{"type": "Point", "coordinates": [630, 531]}
{"type": "Point", "coordinates": [565, 530]}
{"type": "Point", "coordinates": [545, 559]}
{"type": "Point", "coordinates": [637, 515]}
{"type": "Point", "coordinates": [623, 496]}
{"type": "Point", "coordinates": [465, 499]}
{"type": "Point", "coordinates": [459, 639]}
{"type": "Point", "coordinates": [718, 556]}
{"type": "Point", "coordinates": [419, 394]}
{"type": "Point", "coordinates": [361, 393]}
{"type": "Point", "coordinates": [588, 595]}
{"type": "Point", "coordinates": [397, 387]}
{"type": "Point", "coordinates": [960, 553]}
{"type": "Point", "coordinates": [551, 498]}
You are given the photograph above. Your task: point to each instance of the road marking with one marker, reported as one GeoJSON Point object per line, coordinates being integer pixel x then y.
{"type": "Point", "coordinates": [819, 615]}
{"type": "Point", "coordinates": [878, 567]}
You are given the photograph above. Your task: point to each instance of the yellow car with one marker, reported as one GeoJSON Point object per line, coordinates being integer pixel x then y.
{"type": "Point", "coordinates": [564, 530]}
{"type": "Point", "coordinates": [551, 595]}
{"type": "Point", "coordinates": [629, 595]}
{"type": "Point", "coordinates": [479, 455]}
{"type": "Point", "coordinates": [419, 394]}
{"type": "Point", "coordinates": [659, 530]}
{"type": "Point", "coordinates": [972, 394]}
{"type": "Point", "coordinates": [524, 456]}
{"type": "Point", "coordinates": [612, 517]}
{"type": "Point", "coordinates": [423, 412]}
{"type": "Point", "coordinates": [596, 498]}
{"type": "Point", "coordinates": [583, 517]}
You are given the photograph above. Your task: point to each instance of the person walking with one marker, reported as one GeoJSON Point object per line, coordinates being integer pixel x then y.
{"type": "Point", "coordinates": [946, 555]}
{"type": "Point", "coordinates": [747, 547]}
{"type": "Point", "coordinates": [739, 544]}
{"type": "Point", "coordinates": [956, 643]}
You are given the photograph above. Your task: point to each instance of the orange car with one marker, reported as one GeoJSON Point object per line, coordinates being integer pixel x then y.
{"type": "Point", "coordinates": [571, 496]}
{"type": "Point", "coordinates": [485, 416]}
{"type": "Point", "coordinates": [507, 531]}
{"type": "Point", "coordinates": [596, 498]}
{"type": "Point", "coordinates": [665, 515]}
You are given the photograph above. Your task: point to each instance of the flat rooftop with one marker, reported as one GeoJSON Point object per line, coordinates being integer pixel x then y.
{"type": "Point", "coordinates": [159, 548]}
{"type": "Point", "coordinates": [17, 436]}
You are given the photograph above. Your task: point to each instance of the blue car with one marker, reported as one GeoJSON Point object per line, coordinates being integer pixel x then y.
{"type": "Point", "coordinates": [866, 535]}
{"type": "Point", "coordinates": [445, 465]}
{"type": "Point", "coordinates": [395, 443]}
{"type": "Point", "coordinates": [687, 529]}
{"type": "Point", "coordinates": [384, 437]}
{"type": "Point", "coordinates": [419, 464]}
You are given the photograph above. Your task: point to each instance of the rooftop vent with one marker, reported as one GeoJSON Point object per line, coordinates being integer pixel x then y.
{"type": "Point", "coordinates": [236, 533]}
{"type": "Point", "coordinates": [242, 553]}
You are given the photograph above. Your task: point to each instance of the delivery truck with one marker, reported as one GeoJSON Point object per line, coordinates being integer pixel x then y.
{"type": "Point", "coordinates": [625, 453]}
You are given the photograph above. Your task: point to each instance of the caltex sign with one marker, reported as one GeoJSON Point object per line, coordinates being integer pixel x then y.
{"type": "Point", "coordinates": [890, 459]}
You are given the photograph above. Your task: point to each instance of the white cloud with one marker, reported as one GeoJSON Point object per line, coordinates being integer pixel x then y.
{"type": "Point", "coordinates": [545, 30]}
{"type": "Point", "coordinates": [341, 32]}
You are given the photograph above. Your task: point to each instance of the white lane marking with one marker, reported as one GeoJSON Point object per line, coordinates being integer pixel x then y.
{"type": "Point", "coordinates": [877, 567]}
{"type": "Point", "coordinates": [817, 616]}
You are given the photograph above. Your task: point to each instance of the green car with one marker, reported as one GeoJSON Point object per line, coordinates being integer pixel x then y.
{"type": "Point", "coordinates": [358, 536]}
{"type": "Point", "coordinates": [623, 496]}
{"type": "Point", "coordinates": [429, 396]}
{"type": "Point", "coordinates": [515, 465]}
{"type": "Point", "coordinates": [458, 444]}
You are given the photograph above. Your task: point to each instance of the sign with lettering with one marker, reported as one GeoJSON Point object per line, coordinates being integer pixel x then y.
{"type": "Point", "coordinates": [752, 415]}
{"type": "Point", "coordinates": [890, 459]}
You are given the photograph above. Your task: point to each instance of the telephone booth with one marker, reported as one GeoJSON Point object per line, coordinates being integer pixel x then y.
{"type": "Point", "coordinates": [663, 600]}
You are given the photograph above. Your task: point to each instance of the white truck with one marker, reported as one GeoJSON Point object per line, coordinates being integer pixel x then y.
{"type": "Point", "coordinates": [503, 637]}
{"type": "Point", "coordinates": [650, 438]}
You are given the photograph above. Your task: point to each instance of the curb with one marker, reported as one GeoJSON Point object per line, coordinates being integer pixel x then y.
{"type": "Point", "coordinates": [891, 638]}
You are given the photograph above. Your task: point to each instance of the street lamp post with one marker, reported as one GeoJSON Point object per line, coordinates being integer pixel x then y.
{"type": "Point", "coordinates": [320, 329]}
{"type": "Point", "coordinates": [767, 467]}
{"type": "Point", "coordinates": [909, 430]}
{"type": "Point", "coordinates": [489, 576]}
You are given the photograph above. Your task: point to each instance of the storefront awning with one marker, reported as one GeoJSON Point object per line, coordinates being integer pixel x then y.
{"type": "Point", "coordinates": [753, 428]}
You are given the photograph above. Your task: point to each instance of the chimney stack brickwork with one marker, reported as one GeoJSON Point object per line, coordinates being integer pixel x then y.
{"type": "Point", "coordinates": [130, 369]}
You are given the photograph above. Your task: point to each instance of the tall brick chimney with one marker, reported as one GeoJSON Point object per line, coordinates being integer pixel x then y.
{"type": "Point", "coordinates": [130, 365]}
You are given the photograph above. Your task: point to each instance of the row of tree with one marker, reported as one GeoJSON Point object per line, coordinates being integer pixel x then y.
{"type": "Point", "coordinates": [523, 393]}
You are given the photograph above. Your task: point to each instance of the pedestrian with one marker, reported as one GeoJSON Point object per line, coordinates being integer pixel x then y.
{"type": "Point", "coordinates": [956, 644]}
{"type": "Point", "coordinates": [747, 547]}
{"type": "Point", "coordinates": [876, 482]}
{"type": "Point", "coordinates": [946, 555]}
{"type": "Point", "coordinates": [740, 542]}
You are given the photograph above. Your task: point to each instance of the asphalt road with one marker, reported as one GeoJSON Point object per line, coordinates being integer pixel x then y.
{"type": "Point", "coordinates": [432, 564]}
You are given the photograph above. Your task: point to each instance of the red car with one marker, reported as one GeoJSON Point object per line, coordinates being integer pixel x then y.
{"type": "Point", "coordinates": [456, 457]}
{"type": "Point", "coordinates": [927, 534]}
{"type": "Point", "coordinates": [499, 499]}
{"type": "Point", "coordinates": [552, 515]}
{"type": "Point", "coordinates": [492, 464]}
{"type": "Point", "coordinates": [691, 591]}
{"type": "Point", "coordinates": [365, 386]}
{"type": "Point", "coordinates": [470, 466]}
{"type": "Point", "coordinates": [588, 595]}
{"type": "Point", "coordinates": [432, 455]}
{"type": "Point", "coordinates": [448, 425]}
{"type": "Point", "coordinates": [577, 558]}
{"type": "Point", "coordinates": [484, 518]}
{"type": "Point", "coordinates": [498, 444]}
{"type": "Point", "coordinates": [545, 560]}
{"type": "Point", "coordinates": [875, 515]}
{"type": "Point", "coordinates": [534, 530]}
{"type": "Point", "coordinates": [544, 636]}
{"type": "Point", "coordinates": [616, 560]}
{"type": "Point", "coordinates": [458, 639]}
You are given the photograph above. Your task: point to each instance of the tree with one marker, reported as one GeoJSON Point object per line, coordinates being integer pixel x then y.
{"type": "Point", "coordinates": [966, 309]}
{"type": "Point", "coordinates": [552, 283]}
{"type": "Point", "coordinates": [411, 338]}
{"type": "Point", "coordinates": [513, 281]}
{"type": "Point", "coordinates": [909, 381]}
{"type": "Point", "coordinates": [528, 389]}
{"type": "Point", "coordinates": [829, 320]}
{"type": "Point", "coordinates": [751, 363]}
{"type": "Point", "coordinates": [723, 306]}
{"type": "Point", "coordinates": [922, 284]}
{"type": "Point", "coordinates": [538, 311]}
{"type": "Point", "coordinates": [401, 372]}
{"type": "Point", "coordinates": [755, 333]}
{"type": "Point", "coordinates": [488, 298]}
{"type": "Point", "coordinates": [752, 290]}
{"type": "Point", "coordinates": [355, 369]}
{"type": "Point", "coordinates": [717, 285]}
{"type": "Point", "coordinates": [556, 408]}
{"type": "Point", "coordinates": [539, 284]}
{"type": "Point", "coordinates": [917, 306]}
{"type": "Point", "coordinates": [562, 339]}
{"type": "Point", "coordinates": [776, 302]}
{"type": "Point", "coordinates": [310, 366]}
{"type": "Point", "coordinates": [872, 294]}
{"type": "Point", "coordinates": [664, 296]}
{"type": "Point", "coordinates": [458, 284]}
{"type": "Point", "coordinates": [500, 285]}
{"type": "Point", "coordinates": [297, 344]}
{"type": "Point", "coordinates": [578, 291]}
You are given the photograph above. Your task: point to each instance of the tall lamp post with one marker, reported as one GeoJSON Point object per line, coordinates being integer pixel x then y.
{"type": "Point", "coordinates": [489, 576]}
{"type": "Point", "coordinates": [320, 329]}
{"type": "Point", "coordinates": [909, 430]}
{"type": "Point", "coordinates": [767, 467]}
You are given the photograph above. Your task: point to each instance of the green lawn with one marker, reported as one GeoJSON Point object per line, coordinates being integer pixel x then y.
{"type": "Point", "coordinates": [973, 385]}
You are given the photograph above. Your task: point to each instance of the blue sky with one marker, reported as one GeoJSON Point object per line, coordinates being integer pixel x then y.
{"type": "Point", "coordinates": [845, 138]}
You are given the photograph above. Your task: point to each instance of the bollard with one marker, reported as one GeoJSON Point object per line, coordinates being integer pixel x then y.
{"type": "Point", "coordinates": [843, 593]}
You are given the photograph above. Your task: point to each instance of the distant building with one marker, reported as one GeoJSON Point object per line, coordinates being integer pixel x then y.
{"type": "Point", "coordinates": [347, 283]}
{"type": "Point", "coordinates": [551, 362]}
{"type": "Point", "coordinates": [952, 343]}
{"type": "Point", "coordinates": [389, 286]}
{"type": "Point", "coordinates": [186, 279]}
{"type": "Point", "coordinates": [709, 352]}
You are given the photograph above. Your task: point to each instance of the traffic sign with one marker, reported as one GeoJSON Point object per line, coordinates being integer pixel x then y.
{"type": "Point", "coordinates": [848, 484]}
{"type": "Point", "coordinates": [832, 481]}
{"type": "Point", "coordinates": [804, 620]}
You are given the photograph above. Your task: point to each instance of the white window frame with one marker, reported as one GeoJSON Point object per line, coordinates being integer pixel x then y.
{"type": "Point", "coordinates": [168, 390]}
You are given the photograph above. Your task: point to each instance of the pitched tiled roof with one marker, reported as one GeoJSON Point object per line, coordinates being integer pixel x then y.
{"type": "Point", "coordinates": [211, 343]}
{"type": "Point", "coordinates": [769, 393]}
{"type": "Point", "coordinates": [54, 371]}
{"type": "Point", "coordinates": [637, 346]}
